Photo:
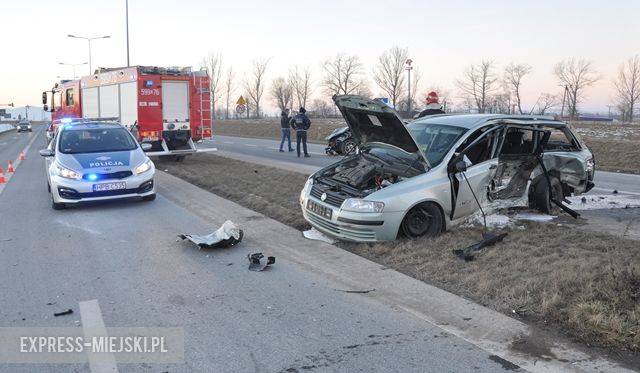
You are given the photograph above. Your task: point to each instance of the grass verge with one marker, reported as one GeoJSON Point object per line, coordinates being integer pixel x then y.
{"type": "Point", "coordinates": [585, 283]}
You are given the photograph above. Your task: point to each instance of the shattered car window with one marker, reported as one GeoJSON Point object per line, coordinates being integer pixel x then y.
{"type": "Point", "coordinates": [435, 140]}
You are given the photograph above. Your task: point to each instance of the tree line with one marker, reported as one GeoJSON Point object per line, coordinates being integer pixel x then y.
{"type": "Point", "coordinates": [482, 87]}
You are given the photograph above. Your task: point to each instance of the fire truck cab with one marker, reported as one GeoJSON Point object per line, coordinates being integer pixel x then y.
{"type": "Point", "coordinates": [166, 107]}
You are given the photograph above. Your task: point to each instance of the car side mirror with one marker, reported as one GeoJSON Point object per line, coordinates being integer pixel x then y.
{"type": "Point", "coordinates": [46, 153]}
{"type": "Point", "coordinates": [44, 98]}
{"type": "Point", "coordinates": [461, 166]}
{"type": "Point", "coordinates": [146, 146]}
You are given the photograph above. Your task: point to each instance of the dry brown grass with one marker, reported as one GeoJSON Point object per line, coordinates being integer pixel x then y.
{"type": "Point", "coordinates": [588, 284]}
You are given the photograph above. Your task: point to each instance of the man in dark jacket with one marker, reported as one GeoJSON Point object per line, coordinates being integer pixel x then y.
{"type": "Point", "coordinates": [433, 106]}
{"type": "Point", "coordinates": [285, 119]}
{"type": "Point", "coordinates": [301, 124]}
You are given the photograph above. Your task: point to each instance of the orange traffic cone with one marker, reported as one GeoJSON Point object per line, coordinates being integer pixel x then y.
{"type": "Point", "coordinates": [22, 157]}
{"type": "Point", "coordinates": [10, 167]}
{"type": "Point", "coordinates": [2, 179]}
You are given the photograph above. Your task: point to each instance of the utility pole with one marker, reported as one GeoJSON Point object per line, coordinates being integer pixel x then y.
{"type": "Point", "coordinates": [127, 15]}
{"type": "Point", "coordinates": [408, 67]}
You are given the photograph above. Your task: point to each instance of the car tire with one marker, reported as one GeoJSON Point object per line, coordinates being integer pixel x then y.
{"type": "Point", "coordinates": [57, 206]}
{"type": "Point", "coordinates": [543, 197]}
{"type": "Point", "coordinates": [149, 198]}
{"type": "Point", "coordinates": [348, 146]}
{"type": "Point", "coordinates": [424, 219]}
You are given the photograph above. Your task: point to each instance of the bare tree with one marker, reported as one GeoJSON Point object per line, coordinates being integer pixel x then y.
{"type": "Point", "coordinates": [479, 83]}
{"type": "Point", "coordinates": [254, 83]}
{"type": "Point", "coordinates": [546, 101]}
{"type": "Point", "coordinates": [341, 74]}
{"type": "Point", "coordinates": [321, 108]}
{"type": "Point", "coordinates": [628, 87]}
{"type": "Point", "coordinates": [229, 88]}
{"type": "Point", "coordinates": [300, 80]}
{"type": "Point", "coordinates": [282, 93]}
{"type": "Point", "coordinates": [513, 74]}
{"type": "Point", "coordinates": [389, 74]}
{"type": "Point", "coordinates": [213, 64]}
{"type": "Point", "coordinates": [575, 75]}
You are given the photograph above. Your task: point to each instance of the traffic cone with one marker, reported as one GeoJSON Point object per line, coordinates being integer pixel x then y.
{"type": "Point", "coordinates": [10, 166]}
{"type": "Point", "coordinates": [22, 157]}
{"type": "Point", "coordinates": [2, 179]}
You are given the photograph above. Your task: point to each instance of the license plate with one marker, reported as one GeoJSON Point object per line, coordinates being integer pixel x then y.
{"type": "Point", "coordinates": [109, 186]}
{"type": "Point", "coordinates": [325, 212]}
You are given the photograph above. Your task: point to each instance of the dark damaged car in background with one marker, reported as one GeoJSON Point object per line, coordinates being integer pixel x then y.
{"type": "Point", "coordinates": [425, 177]}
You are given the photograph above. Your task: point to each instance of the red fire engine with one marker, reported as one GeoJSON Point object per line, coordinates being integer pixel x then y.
{"type": "Point", "coordinates": [167, 107]}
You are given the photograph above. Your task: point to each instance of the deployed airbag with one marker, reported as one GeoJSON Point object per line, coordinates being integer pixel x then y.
{"type": "Point", "coordinates": [227, 235]}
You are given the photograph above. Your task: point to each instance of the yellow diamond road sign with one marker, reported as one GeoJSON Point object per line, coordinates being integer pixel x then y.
{"type": "Point", "coordinates": [241, 101]}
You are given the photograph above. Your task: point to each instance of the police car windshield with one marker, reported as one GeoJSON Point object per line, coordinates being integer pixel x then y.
{"type": "Point", "coordinates": [95, 140]}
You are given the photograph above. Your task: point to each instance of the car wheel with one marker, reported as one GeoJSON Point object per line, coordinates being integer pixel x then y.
{"type": "Point", "coordinates": [149, 198]}
{"type": "Point", "coordinates": [543, 197]}
{"type": "Point", "coordinates": [348, 146]}
{"type": "Point", "coordinates": [424, 219]}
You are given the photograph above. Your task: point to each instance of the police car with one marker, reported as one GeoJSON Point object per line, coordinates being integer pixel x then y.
{"type": "Point", "coordinates": [93, 160]}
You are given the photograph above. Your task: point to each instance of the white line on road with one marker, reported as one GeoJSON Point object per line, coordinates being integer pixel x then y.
{"type": "Point", "coordinates": [251, 145]}
{"type": "Point", "coordinates": [17, 162]}
{"type": "Point", "coordinates": [619, 191]}
{"type": "Point", "coordinates": [229, 142]}
{"type": "Point", "coordinates": [92, 321]}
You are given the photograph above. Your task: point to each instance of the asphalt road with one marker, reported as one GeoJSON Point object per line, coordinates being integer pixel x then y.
{"type": "Point", "coordinates": [125, 256]}
{"type": "Point", "coordinates": [267, 150]}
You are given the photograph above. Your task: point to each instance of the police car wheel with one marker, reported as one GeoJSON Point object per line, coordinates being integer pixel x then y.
{"type": "Point", "coordinates": [57, 206]}
{"type": "Point", "coordinates": [149, 198]}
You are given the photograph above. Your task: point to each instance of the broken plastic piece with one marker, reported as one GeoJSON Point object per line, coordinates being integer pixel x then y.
{"type": "Point", "coordinates": [227, 235]}
{"type": "Point", "coordinates": [488, 239]}
{"type": "Point", "coordinates": [256, 264]}
{"type": "Point", "coordinates": [67, 312]}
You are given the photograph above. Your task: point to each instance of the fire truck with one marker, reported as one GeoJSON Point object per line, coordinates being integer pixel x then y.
{"type": "Point", "coordinates": [167, 107]}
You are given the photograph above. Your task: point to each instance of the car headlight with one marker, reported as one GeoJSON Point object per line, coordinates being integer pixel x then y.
{"type": "Point", "coordinates": [590, 165]}
{"type": "Point", "coordinates": [146, 166]}
{"type": "Point", "coordinates": [305, 189]}
{"type": "Point", "coordinates": [361, 205]}
{"type": "Point", "coordinates": [67, 173]}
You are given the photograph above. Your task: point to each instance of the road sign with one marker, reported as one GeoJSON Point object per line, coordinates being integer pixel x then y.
{"type": "Point", "coordinates": [240, 108]}
{"type": "Point", "coordinates": [241, 101]}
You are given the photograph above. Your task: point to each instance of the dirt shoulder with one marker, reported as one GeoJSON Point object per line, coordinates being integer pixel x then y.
{"type": "Point", "coordinates": [616, 146]}
{"type": "Point", "coordinates": [585, 284]}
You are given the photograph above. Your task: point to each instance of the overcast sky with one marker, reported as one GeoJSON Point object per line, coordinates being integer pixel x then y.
{"type": "Point", "coordinates": [443, 38]}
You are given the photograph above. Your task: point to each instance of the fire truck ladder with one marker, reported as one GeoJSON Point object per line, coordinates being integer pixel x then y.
{"type": "Point", "coordinates": [205, 102]}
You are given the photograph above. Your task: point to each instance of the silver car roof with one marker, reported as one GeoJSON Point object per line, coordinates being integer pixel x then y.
{"type": "Point", "coordinates": [471, 121]}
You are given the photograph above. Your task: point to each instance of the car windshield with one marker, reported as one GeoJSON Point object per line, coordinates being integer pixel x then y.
{"type": "Point", "coordinates": [95, 140]}
{"type": "Point", "coordinates": [435, 140]}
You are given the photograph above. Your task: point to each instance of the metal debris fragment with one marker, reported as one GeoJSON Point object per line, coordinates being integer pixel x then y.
{"type": "Point", "coordinates": [67, 312]}
{"type": "Point", "coordinates": [227, 235]}
{"type": "Point", "coordinates": [256, 263]}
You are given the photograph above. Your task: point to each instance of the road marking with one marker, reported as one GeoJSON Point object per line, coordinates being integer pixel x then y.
{"type": "Point", "coordinates": [91, 317]}
{"type": "Point", "coordinates": [619, 191]}
{"type": "Point", "coordinates": [16, 163]}
{"type": "Point", "coordinates": [229, 142]}
{"type": "Point", "coordinates": [251, 145]}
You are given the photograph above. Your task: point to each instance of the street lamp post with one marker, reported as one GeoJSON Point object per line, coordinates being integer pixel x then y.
{"type": "Point", "coordinates": [89, 40]}
{"type": "Point", "coordinates": [73, 65]}
{"type": "Point", "coordinates": [408, 67]}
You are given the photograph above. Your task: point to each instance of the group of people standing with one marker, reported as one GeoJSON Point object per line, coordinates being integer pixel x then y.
{"type": "Point", "coordinates": [300, 123]}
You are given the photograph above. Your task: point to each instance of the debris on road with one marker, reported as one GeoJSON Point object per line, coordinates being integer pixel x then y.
{"type": "Point", "coordinates": [355, 291]}
{"type": "Point", "coordinates": [227, 235]}
{"type": "Point", "coordinates": [256, 263]}
{"type": "Point", "coordinates": [607, 201]}
{"type": "Point", "coordinates": [67, 312]}
{"type": "Point", "coordinates": [314, 234]}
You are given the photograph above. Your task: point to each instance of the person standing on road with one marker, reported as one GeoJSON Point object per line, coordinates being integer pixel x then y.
{"type": "Point", "coordinates": [301, 124]}
{"type": "Point", "coordinates": [433, 106]}
{"type": "Point", "coordinates": [285, 120]}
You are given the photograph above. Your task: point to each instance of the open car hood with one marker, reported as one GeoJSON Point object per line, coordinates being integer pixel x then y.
{"type": "Point", "coordinates": [374, 121]}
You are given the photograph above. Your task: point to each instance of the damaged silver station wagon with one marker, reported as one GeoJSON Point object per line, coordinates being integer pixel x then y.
{"type": "Point", "coordinates": [425, 177]}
